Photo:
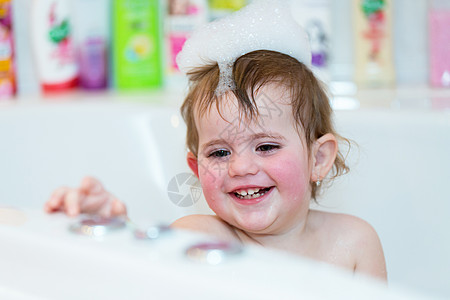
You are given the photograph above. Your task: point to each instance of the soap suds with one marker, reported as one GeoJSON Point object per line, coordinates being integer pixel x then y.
{"type": "Point", "coordinates": [261, 25]}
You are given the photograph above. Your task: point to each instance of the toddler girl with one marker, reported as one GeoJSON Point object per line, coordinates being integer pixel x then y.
{"type": "Point", "coordinates": [261, 141]}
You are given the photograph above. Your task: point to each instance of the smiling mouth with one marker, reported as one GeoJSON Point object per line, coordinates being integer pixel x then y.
{"type": "Point", "coordinates": [247, 194]}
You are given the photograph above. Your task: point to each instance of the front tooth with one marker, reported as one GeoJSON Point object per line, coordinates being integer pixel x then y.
{"type": "Point", "coordinates": [251, 191]}
{"type": "Point", "coordinates": [242, 193]}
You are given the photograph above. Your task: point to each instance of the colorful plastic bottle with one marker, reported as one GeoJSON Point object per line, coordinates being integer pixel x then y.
{"type": "Point", "coordinates": [91, 32]}
{"type": "Point", "coordinates": [183, 17]}
{"type": "Point", "coordinates": [26, 76]}
{"type": "Point", "coordinates": [315, 17]}
{"type": "Point", "coordinates": [137, 44]}
{"type": "Point", "coordinates": [7, 70]}
{"type": "Point", "coordinates": [410, 43]}
{"type": "Point", "coordinates": [373, 43]}
{"type": "Point", "coordinates": [439, 35]}
{"type": "Point", "coordinates": [53, 45]}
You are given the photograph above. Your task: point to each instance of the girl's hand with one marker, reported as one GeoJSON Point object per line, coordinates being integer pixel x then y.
{"type": "Point", "coordinates": [90, 197]}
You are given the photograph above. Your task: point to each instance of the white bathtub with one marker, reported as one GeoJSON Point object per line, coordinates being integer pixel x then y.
{"type": "Point", "coordinates": [399, 182]}
{"type": "Point", "coordinates": [136, 149]}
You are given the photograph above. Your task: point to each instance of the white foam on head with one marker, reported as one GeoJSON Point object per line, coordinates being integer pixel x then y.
{"type": "Point", "coordinates": [261, 25]}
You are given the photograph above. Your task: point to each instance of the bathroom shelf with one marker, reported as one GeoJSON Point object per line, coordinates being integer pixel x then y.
{"type": "Point", "coordinates": [344, 96]}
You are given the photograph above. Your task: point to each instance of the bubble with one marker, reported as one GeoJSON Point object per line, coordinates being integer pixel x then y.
{"type": "Point", "coordinates": [261, 25]}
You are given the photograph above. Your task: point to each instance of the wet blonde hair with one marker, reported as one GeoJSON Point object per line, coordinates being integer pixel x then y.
{"type": "Point", "coordinates": [310, 104]}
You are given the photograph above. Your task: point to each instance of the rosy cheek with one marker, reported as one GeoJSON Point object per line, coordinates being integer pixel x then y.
{"type": "Point", "coordinates": [292, 177]}
{"type": "Point", "coordinates": [210, 192]}
{"type": "Point", "coordinates": [209, 180]}
{"type": "Point", "coordinates": [208, 176]}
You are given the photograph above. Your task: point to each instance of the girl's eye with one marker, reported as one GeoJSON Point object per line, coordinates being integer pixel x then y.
{"type": "Point", "coordinates": [267, 147]}
{"type": "Point", "coordinates": [220, 153]}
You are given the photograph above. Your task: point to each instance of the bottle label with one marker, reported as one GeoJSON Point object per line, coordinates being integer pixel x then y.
{"type": "Point", "coordinates": [182, 19]}
{"type": "Point", "coordinates": [93, 63]}
{"type": "Point", "coordinates": [375, 13]}
{"type": "Point", "coordinates": [53, 44]}
{"type": "Point", "coordinates": [439, 24]}
{"type": "Point", "coordinates": [59, 36]}
{"type": "Point", "coordinates": [137, 45]}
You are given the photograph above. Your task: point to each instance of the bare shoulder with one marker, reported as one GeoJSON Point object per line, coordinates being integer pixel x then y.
{"type": "Point", "coordinates": [196, 222]}
{"type": "Point", "coordinates": [358, 235]}
{"type": "Point", "coordinates": [344, 221]}
{"type": "Point", "coordinates": [209, 224]}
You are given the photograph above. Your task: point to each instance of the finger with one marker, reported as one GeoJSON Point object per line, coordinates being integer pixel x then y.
{"type": "Point", "coordinates": [118, 208]}
{"type": "Point", "coordinates": [93, 203]}
{"type": "Point", "coordinates": [72, 202]}
{"type": "Point", "coordinates": [56, 201]}
{"type": "Point", "coordinates": [91, 185]}
{"type": "Point", "coordinates": [113, 208]}
{"type": "Point", "coordinates": [105, 210]}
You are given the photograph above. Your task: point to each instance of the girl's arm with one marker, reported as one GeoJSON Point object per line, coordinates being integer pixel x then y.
{"type": "Point", "coordinates": [369, 252]}
{"type": "Point", "coordinates": [90, 197]}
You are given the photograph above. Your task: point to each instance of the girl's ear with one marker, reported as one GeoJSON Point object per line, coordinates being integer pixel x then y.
{"type": "Point", "coordinates": [192, 163]}
{"type": "Point", "coordinates": [324, 154]}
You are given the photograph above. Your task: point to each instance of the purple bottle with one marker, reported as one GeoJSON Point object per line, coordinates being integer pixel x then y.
{"type": "Point", "coordinates": [92, 38]}
{"type": "Point", "coordinates": [93, 60]}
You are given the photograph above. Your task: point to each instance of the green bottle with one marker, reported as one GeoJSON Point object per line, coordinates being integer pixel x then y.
{"type": "Point", "coordinates": [137, 54]}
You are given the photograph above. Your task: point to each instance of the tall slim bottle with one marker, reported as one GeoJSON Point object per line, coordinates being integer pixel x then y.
{"type": "Point", "coordinates": [315, 17]}
{"type": "Point", "coordinates": [410, 44]}
{"type": "Point", "coordinates": [183, 17]}
{"type": "Point", "coordinates": [439, 27]}
{"type": "Point", "coordinates": [373, 43]}
{"type": "Point", "coordinates": [26, 76]}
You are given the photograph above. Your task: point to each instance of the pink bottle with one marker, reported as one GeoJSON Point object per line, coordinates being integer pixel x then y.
{"type": "Point", "coordinates": [439, 27]}
{"type": "Point", "coordinates": [183, 17]}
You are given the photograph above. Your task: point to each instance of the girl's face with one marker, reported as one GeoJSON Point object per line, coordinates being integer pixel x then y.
{"type": "Point", "coordinates": [256, 174]}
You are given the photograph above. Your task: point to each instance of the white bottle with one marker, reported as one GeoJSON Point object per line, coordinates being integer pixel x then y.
{"type": "Point", "coordinates": [53, 47]}
{"type": "Point", "coordinates": [410, 42]}
{"type": "Point", "coordinates": [315, 17]}
{"type": "Point", "coordinates": [341, 42]}
{"type": "Point", "coordinates": [27, 81]}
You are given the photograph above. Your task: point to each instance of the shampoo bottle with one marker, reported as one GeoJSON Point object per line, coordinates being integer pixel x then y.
{"type": "Point", "coordinates": [183, 17]}
{"type": "Point", "coordinates": [53, 46]}
{"type": "Point", "coordinates": [315, 17]}
{"type": "Point", "coordinates": [341, 44]}
{"type": "Point", "coordinates": [7, 73]}
{"type": "Point", "coordinates": [26, 76]}
{"type": "Point", "coordinates": [91, 32]}
{"type": "Point", "coordinates": [439, 27]}
{"type": "Point", "coordinates": [137, 44]}
{"type": "Point", "coordinates": [373, 41]}
{"type": "Point", "coordinates": [410, 43]}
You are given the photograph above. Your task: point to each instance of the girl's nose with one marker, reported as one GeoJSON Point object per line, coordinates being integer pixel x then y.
{"type": "Point", "coordinates": [242, 164]}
